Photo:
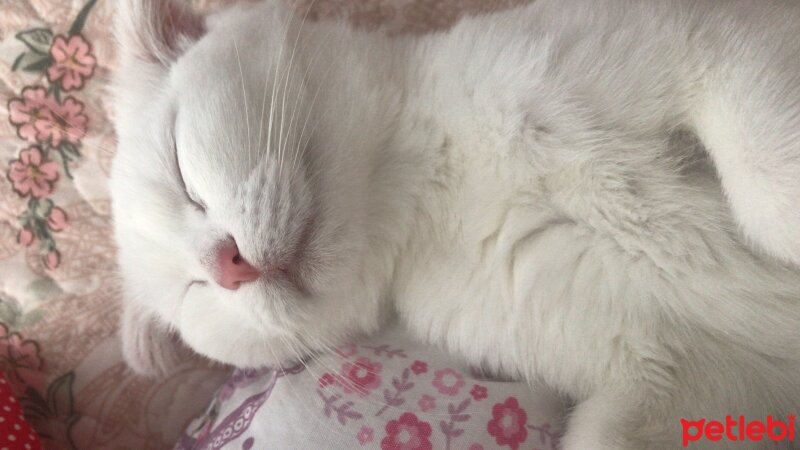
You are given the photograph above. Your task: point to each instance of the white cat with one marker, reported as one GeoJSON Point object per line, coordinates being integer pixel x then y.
{"type": "Point", "coordinates": [523, 190]}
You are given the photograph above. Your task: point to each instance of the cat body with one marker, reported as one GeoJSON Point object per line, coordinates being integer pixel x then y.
{"type": "Point", "coordinates": [519, 189]}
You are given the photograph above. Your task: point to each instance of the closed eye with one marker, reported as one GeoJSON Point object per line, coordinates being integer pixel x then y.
{"type": "Point", "coordinates": [192, 199]}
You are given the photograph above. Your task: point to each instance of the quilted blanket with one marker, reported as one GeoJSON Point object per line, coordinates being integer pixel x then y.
{"type": "Point", "coordinates": [59, 295]}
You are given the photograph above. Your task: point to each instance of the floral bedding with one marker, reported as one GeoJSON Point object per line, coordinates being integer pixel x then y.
{"type": "Point", "coordinates": [387, 392]}
{"type": "Point", "coordinates": [59, 296]}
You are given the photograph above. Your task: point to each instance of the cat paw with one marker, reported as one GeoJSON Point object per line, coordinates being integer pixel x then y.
{"type": "Point", "coordinates": [609, 421]}
{"type": "Point", "coordinates": [773, 226]}
{"type": "Point", "coordinates": [148, 347]}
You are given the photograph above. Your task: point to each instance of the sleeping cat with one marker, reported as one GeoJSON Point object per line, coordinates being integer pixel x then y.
{"type": "Point", "coordinates": [602, 196]}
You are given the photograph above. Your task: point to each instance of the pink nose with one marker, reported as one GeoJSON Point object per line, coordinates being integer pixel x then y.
{"type": "Point", "coordinates": [231, 269]}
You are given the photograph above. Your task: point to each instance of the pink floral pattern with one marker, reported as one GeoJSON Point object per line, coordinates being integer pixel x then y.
{"type": "Point", "coordinates": [361, 376]}
{"type": "Point", "coordinates": [419, 367]}
{"type": "Point", "coordinates": [65, 122]}
{"type": "Point", "coordinates": [26, 112]}
{"type": "Point", "coordinates": [365, 435]}
{"type": "Point", "coordinates": [40, 117]}
{"type": "Point", "coordinates": [31, 174]}
{"type": "Point", "coordinates": [19, 358]}
{"type": "Point", "coordinates": [48, 407]}
{"type": "Point", "coordinates": [73, 61]}
{"type": "Point", "coordinates": [25, 237]}
{"type": "Point", "coordinates": [402, 410]}
{"type": "Point", "coordinates": [55, 126]}
{"type": "Point", "coordinates": [448, 381]}
{"type": "Point", "coordinates": [426, 403]}
{"type": "Point", "coordinates": [52, 259]}
{"type": "Point", "coordinates": [326, 380]}
{"type": "Point", "coordinates": [478, 392]}
{"type": "Point", "coordinates": [57, 220]}
{"type": "Point", "coordinates": [508, 423]}
{"type": "Point", "coordinates": [407, 433]}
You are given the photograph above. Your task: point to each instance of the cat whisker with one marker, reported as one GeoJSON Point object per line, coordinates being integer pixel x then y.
{"type": "Point", "coordinates": [283, 133]}
{"type": "Point", "coordinates": [305, 75]}
{"type": "Point", "coordinates": [300, 147]}
{"type": "Point", "coordinates": [272, 96]}
{"type": "Point", "coordinates": [304, 403]}
{"type": "Point", "coordinates": [263, 108]}
{"type": "Point", "coordinates": [286, 132]}
{"type": "Point", "coordinates": [244, 97]}
{"type": "Point", "coordinates": [282, 114]}
{"type": "Point", "coordinates": [364, 395]}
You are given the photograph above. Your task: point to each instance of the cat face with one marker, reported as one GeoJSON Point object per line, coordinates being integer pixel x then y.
{"type": "Point", "coordinates": [234, 226]}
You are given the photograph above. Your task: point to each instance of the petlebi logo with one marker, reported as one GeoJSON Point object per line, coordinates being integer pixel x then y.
{"type": "Point", "coordinates": [739, 429]}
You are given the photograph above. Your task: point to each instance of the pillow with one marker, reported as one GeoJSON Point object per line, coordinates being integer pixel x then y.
{"type": "Point", "coordinates": [388, 392]}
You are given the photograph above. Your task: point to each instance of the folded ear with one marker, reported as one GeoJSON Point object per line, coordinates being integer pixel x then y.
{"type": "Point", "coordinates": [148, 346]}
{"type": "Point", "coordinates": [156, 31]}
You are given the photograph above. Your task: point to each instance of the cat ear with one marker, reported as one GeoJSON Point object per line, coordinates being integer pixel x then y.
{"type": "Point", "coordinates": [156, 31]}
{"type": "Point", "coordinates": [149, 348]}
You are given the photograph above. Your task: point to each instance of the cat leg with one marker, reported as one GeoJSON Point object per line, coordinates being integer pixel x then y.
{"type": "Point", "coordinates": [609, 420]}
{"type": "Point", "coordinates": [148, 346]}
{"type": "Point", "coordinates": [748, 117]}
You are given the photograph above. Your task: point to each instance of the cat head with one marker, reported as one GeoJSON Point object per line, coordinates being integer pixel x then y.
{"type": "Point", "coordinates": [238, 211]}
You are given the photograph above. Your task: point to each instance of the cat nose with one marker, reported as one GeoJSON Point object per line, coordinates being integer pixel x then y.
{"type": "Point", "coordinates": [231, 269]}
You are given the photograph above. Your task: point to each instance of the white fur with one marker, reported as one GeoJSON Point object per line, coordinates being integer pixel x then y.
{"type": "Point", "coordinates": [523, 190]}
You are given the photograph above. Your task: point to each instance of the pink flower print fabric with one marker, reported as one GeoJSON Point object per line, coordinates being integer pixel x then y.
{"type": "Point", "coordinates": [31, 174]}
{"type": "Point", "coordinates": [40, 117]}
{"type": "Point", "coordinates": [407, 432]}
{"type": "Point", "coordinates": [52, 126]}
{"type": "Point", "coordinates": [389, 392]}
{"type": "Point", "coordinates": [448, 381]}
{"type": "Point", "coordinates": [26, 112]}
{"type": "Point", "coordinates": [73, 62]}
{"type": "Point", "coordinates": [65, 122]}
{"type": "Point", "coordinates": [508, 423]}
{"type": "Point", "coordinates": [362, 376]}
{"type": "Point", "coordinates": [365, 435]}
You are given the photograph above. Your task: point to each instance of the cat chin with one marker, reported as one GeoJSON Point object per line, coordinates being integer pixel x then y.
{"type": "Point", "coordinates": [227, 337]}
{"type": "Point", "coordinates": [251, 329]}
